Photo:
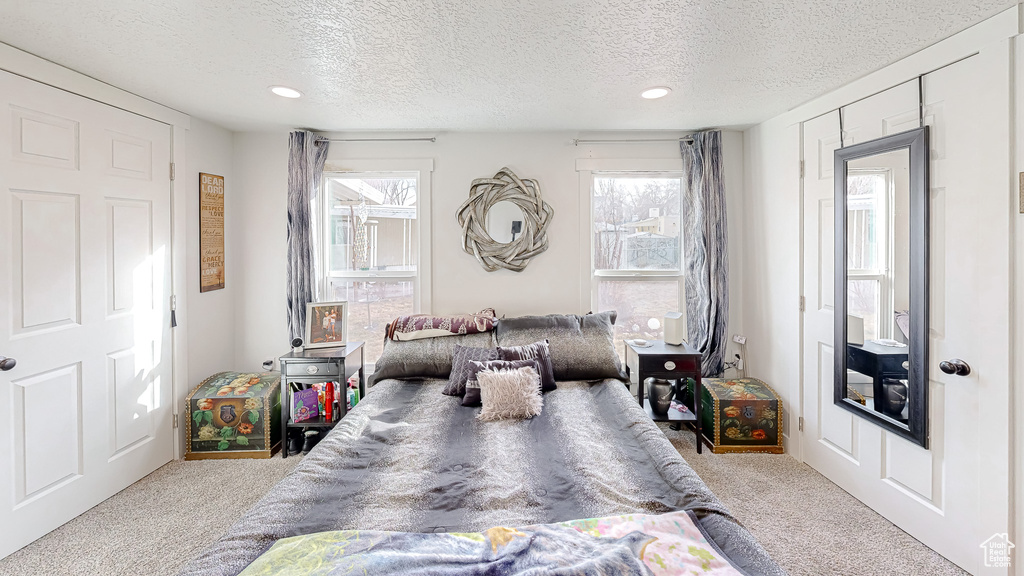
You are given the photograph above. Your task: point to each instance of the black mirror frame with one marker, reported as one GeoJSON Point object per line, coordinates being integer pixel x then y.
{"type": "Point", "coordinates": [917, 142]}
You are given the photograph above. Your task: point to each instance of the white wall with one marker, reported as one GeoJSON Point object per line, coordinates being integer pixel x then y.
{"type": "Point", "coordinates": [210, 320]}
{"type": "Point", "coordinates": [551, 283]}
{"type": "Point", "coordinates": [772, 254]}
{"type": "Point", "coordinates": [260, 161]}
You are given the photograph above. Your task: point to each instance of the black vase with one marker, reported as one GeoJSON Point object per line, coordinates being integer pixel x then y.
{"type": "Point", "coordinates": [894, 397]}
{"type": "Point", "coordinates": [660, 393]}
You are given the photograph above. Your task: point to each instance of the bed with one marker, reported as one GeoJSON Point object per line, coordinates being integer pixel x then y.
{"type": "Point", "coordinates": [410, 459]}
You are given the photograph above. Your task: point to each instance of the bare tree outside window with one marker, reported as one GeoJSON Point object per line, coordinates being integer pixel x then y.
{"type": "Point", "coordinates": [636, 223]}
{"type": "Point", "coordinates": [636, 228]}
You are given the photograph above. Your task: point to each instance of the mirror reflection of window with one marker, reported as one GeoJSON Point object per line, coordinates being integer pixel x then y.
{"type": "Point", "coordinates": [878, 242]}
{"type": "Point", "coordinates": [877, 266]}
{"type": "Point", "coordinates": [867, 249]}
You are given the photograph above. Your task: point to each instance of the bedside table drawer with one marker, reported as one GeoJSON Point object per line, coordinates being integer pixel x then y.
{"type": "Point", "coordinates": [316, 369]}
{"type": "Point", "coordinates": [669, 364]}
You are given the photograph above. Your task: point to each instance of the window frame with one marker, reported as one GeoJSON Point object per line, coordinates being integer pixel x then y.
{"type": "Point", "coordinates": [883, 274]}
{"type": "Point", "coordinates": [422, 170]}
{"type": "Point", "coordinates": [591, 278]}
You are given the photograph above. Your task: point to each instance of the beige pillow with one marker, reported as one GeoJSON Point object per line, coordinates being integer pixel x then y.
{"type": "Point", "coordinates": [510, 394]}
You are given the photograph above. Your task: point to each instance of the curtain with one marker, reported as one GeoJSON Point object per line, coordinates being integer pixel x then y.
{"type": "Point", "coordinates": [705, 245]}
{"type": "Point", "coordinates": [307, 154]}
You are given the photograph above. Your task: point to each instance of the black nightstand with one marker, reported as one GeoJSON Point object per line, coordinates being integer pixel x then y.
{"type": "Point", "coordinates": [309, 367]}
{"type": "Point", "coordinates": [670, 362]}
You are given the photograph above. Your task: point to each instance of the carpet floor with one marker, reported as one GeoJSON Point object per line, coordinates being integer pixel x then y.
{"type": "Point", "coordinates": [808, 524]}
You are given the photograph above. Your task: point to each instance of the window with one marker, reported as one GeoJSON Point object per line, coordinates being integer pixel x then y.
{"type": "Point", "coordinates": [637, 250]}
{"type": "Point", "coordinates": [372, 250]}
{"type": "Point", "coordinates": [868, 255]}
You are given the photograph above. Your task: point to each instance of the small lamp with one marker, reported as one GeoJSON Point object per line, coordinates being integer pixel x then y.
{"type": "Point", "coordinates": [675, 328]}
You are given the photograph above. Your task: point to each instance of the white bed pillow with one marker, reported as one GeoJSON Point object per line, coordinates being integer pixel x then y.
{"type": "Point", "coordinates": [510, 394]}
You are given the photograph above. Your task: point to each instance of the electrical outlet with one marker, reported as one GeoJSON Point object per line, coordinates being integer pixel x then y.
{"type": "Point", "coordinates": [739, 339]}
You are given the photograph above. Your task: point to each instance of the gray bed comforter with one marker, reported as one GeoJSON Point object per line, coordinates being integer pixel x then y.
{"type": "Point", "coordinates": [411, 459]}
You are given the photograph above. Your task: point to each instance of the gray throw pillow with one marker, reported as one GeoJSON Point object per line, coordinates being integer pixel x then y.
{"type": "Point", "coordinates": [472, 396]}
{"type": "Point", "coordinates": [538, 351]}
{"type": "Point", "coordinates": [426, 358]}
{"type": "Point", "coordinates": [581, 347]}
{"type": "Point", "coordinates": [510, 394]}
{"type": "Point", "coordinates": [460, 367]}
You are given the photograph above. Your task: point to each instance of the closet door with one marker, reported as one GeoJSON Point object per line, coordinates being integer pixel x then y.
{"type": "Point", "coordinates": [954, 495]}
{"type": "Point", "coordinates": [84, 287]}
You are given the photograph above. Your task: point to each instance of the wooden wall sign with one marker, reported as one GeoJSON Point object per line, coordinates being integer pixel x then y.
{"type": "Point", "coordinates": [211, 232]}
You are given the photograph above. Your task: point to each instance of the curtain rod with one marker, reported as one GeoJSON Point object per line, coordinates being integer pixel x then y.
{"type": "Point", "coordinates": [687, 139]}
{"type": "Point", "coordinates": [431, 139]}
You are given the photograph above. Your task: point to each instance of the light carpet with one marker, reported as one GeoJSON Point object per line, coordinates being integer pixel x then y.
{"type": "Point", "coordinates": [808, 524]}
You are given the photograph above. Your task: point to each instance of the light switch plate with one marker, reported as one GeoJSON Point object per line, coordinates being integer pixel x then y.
{"type": "Point", "coordinates": [739, 339]}
{"type": "Point", "coordinates": [1020, 205]}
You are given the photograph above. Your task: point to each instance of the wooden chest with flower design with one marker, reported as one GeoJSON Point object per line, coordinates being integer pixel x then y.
{"type": "Point", "coordinates": [234, 415]}
{"type": "Point", "coordinates": [741, 415]}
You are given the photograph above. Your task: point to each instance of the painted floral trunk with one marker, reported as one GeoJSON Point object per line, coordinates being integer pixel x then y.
{"type": "Point", "coordinates": [741, 415]}
{"type": "Point", "coordinates": [234, 415]}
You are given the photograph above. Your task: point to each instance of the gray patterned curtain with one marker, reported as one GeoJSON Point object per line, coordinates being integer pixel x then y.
{"type": "Point", "coordinates": [705, 243]}
{"type": "Point", "coordinates": [307, 154]}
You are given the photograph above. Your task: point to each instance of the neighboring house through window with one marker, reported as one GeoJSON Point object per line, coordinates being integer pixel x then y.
{"type": "Point", "coordinates": [371, 251]}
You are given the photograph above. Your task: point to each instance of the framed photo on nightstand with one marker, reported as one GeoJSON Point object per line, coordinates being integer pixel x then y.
{"type": "Point", "coordinates": [325, 324]}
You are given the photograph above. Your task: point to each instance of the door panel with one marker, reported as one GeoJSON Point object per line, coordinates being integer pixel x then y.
{"type": "Point", "coordinates": [46, 271]}
{"type": "Point", "coordinates": [44, 139]}
{"type": "Point", "coordinates": [938, 495]}
{"type": "Point", "coordinates": [47, 436]}
{"type": "Point", "coordinates": [86, 239]}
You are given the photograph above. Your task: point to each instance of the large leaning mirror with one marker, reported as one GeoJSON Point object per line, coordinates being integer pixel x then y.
{"type": "Point", "coordinates": [881, 243]}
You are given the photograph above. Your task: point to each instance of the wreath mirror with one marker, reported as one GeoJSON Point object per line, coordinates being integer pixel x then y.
{"type": "Point", "coordinates": [504, 221]}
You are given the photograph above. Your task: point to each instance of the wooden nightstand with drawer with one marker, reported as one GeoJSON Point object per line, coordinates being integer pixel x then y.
{"type": "Point", "coordinates": [310, 367]}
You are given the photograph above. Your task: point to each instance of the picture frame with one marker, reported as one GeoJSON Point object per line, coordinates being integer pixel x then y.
{"type": "Point", "coordinates": [326, 324]}
{"type": "Point", "coordinates": [211, 232]}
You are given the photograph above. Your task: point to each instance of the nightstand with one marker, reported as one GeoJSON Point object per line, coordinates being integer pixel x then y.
{"type": "Point", "coordinates": [660, 360]}
{"type": "Point", "coordinates": [336, 364]}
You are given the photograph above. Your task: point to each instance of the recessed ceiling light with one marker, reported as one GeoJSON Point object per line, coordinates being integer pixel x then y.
{"type": "Point", "coordinates": [286, 91]}
{"type": "Point", "coordinates": [656, 92]}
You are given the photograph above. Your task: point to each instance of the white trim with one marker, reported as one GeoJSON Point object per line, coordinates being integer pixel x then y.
{"type": "Point", "coordinates": [373, 274]}
{"type": "Point", "coordinates": [626, 165]}
{"type": "Point", "coordinates": [588, 168]}
{"type": "Point", "coordinates": [636, 274]}
{"type": "Point", "coordinates": [587, 285]}
{"type": "Point", "coordinates": [424, 167]}
{"type": "Point", "coordinates": [179, 284]}
{"type": "Point", "coordinates": [50, 73]}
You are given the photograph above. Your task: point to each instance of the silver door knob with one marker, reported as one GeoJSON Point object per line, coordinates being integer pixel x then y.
{"type": "Point", "coordinates": [955, 366]}
{"type": "Point", "coordinates": [7, 363]}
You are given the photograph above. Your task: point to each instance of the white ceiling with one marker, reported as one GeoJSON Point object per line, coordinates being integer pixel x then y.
{"type": "Point", "coordinates": [482, 64]}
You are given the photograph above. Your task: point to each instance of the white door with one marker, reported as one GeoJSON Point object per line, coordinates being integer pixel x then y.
{"type": "Point", "coordinates": [84, 283]}
{"type": "Point", "coordinates": [954, 495]}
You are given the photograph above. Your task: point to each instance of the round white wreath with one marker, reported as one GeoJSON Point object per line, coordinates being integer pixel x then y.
{"type": "Point", "coordinates": [537, 214]}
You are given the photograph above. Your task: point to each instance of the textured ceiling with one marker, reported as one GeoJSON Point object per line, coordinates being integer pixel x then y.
{"type": "Point", "coordinates": [483, 64]}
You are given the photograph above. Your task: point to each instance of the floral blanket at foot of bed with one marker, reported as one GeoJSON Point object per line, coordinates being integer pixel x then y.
{"type": "Point", "coordinates": [632, 544]}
